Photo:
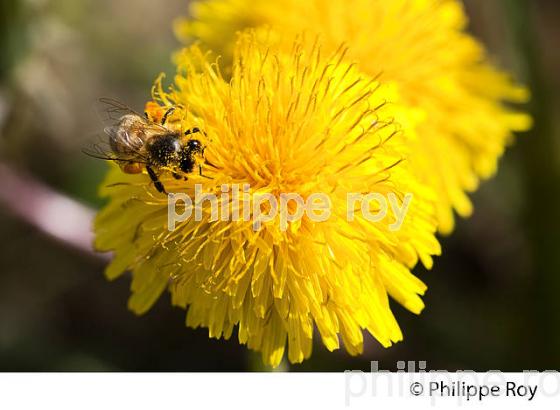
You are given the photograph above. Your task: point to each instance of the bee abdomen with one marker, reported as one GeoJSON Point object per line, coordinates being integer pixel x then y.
{"type": "Point", "coordinates": [123, 142]}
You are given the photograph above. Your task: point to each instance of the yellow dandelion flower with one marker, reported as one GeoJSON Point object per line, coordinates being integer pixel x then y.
{"type": "Point", "coordinates": [423, 47]}
{"type": "Point", "coordinates": [302, 122]}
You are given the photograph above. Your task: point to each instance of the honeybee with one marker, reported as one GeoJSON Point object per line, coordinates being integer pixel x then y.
{"type": "Point", "coordinates": [136, 143]}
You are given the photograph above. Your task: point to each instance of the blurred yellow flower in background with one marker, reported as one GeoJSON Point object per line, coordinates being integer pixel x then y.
{"type": "Point", "coordinates": [419, 45]}
{"type": "Point", "coordinates": [302, 121]}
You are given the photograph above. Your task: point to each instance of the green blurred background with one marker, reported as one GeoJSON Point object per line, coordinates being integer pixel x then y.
{"type": "Point", "coordinates": [494, 295]}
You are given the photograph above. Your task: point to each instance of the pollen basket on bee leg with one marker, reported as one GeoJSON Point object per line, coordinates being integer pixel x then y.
{"type": "Point", "coordinates": [132, 168]}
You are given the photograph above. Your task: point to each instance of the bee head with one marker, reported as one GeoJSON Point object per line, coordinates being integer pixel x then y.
{"type": "Point", "coordinates": [195, 147]}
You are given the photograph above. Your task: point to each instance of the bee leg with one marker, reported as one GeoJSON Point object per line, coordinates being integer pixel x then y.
{"type": "Point", "coordinates": [200, 172]}
{"type": "Point", "coordinates": [157, 183]}
{"type": "Point", "coordinates": [209, 163]}
{"type": "Point", "coordinates": [192, 131]}
{"type": "Point", "coordinates": [166, 115]}
{"type": "Point", "coordinates": [176, 175]}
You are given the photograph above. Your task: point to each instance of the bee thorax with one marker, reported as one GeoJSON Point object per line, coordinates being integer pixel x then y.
{"type": "Point", "coordinates": [164, 149]}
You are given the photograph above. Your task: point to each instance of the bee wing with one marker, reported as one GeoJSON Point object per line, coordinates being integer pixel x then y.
{"type": "Point", "coordinates": [130, 137]}
{"type": "Point", "coordinates": [101, 149]}
{"type": "Point", "coordinates": [114, 109]}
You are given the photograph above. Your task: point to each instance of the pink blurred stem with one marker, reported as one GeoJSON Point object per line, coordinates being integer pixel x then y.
{"type": "Point", "coordinates": [56, 215]}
